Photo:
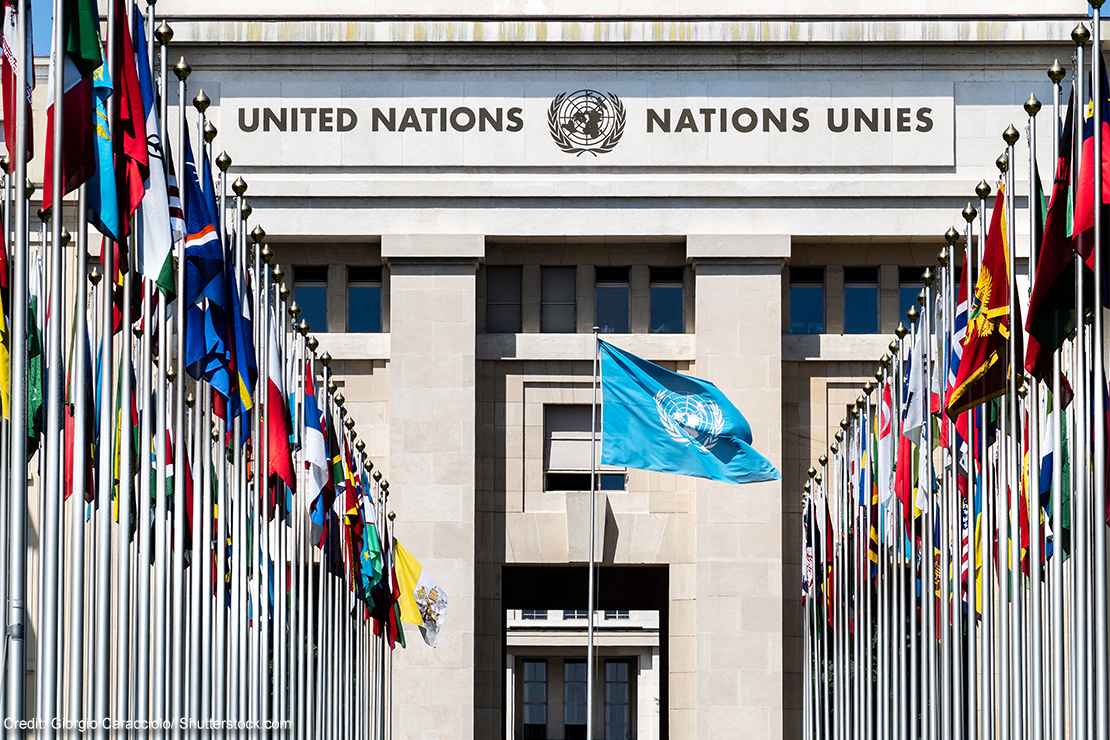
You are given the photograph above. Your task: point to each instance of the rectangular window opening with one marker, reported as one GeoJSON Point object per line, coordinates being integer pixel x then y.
{"type": "Point", "coordinates": [364, 299]}
{"type": "Point", "coordinates": [807, 300]}
{"type": "Point", "coordinates": [911, 281]}
{"type": "Point", "coordinates": [310, 291]}
{"type": "Point", "coordinates": [567, 448]}
{"type": "Point", "coordinates": [861, 300]}
{"type": "Point", "coordinates": [535, 699]}
{"type": "Point", "coordinates": [666, 295]}
{"type": "Point", "coordinates": [503, 299]}
{"type": "Point", "coordinates": [559, 299]}
{"type": "Point", "coordinates": [612, 299]}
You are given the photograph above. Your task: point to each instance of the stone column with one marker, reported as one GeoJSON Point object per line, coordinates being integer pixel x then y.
{"type": "Point", "coordinates": [432, 468]}
{"type": "Point", "coordinates": [738, 550]}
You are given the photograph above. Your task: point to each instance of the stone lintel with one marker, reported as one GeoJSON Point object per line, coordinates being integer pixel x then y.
{"type": "Point", "coordinates": [433, 246]}
{"type": "Point", "coordinates": [738, 247]}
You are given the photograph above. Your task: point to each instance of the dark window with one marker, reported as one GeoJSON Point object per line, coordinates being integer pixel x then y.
{"type": "Point", "coordinates": [581, 481]}
{"type": "Point", "coordinates": [574, 709]}
{"type": "Point", "coordinates": [618, 700]}
{"type": "Point", "coordinates": [616, 614]}
{"type": "Point", "coordinates": [559, 299]}
{"type": "Point", "coordinates": [574, 613]}
{"type": "Point", "coordinates": [611, 291]}
{"type": "Point", "coordinates": [364, 299]}
{"type": "Point", "coordinates": [310, 291]}
{"type": "Point", "coordinates": [910, 284]}
{"type": "Point", "coordinates": [807, 300]}
{"type": "Point", "coordinates": [666, 300]}
{"type": "Point", "coordinates": [533, 614]}
{"type": "Point", "coordinates": [535, 699]}
{"type": "Point", "coordinates": [861, 300]}
{"type": "Point", "coordinates": [502, 300]}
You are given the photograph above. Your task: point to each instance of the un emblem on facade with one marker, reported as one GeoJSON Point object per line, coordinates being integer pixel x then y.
{"type": "Point", "coordinates": [586, 121]}
{"type": "Point", "coordinates": [689, 420]}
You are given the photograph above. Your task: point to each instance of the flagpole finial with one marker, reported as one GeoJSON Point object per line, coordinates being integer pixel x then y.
{"type": "Point", "coordinates": [1056, 72]}
{"type": "Point", "coordinates": [340, 399]}
{"type": "Point", "coordinates": [302, 328]}
{"type": "Point", "coordinates": [332, 387]}
{"type": "Point", "coordinates": [163, 34]}
{"type": "Point", "coordinates": [94, 276]}
{"type": "Point", "coordinates": [983, 189]}
{"type": "Point", "coordinates": [1032, 105]}
{"type": "Point", "coordinates": [833, 448]}
{"type": "Point", "coordinates": [868, 387]}
{"type": "Point", "coordinates": [258, 234]}
{"type": "Point", "coordinates": [182, 69]}
{"type": "Point", "coordinates": [350, 424]}
{"type": "Point", "coordinates": [885, 360]}
{"type": "Point", "coordinates": [942, 257]}
{"type": "Point", "coordinates": [1010, 135]}
{"type": "Point", "coordinates": [367, 463]}
{"type": "Point", "coordinates": [1080, 35]}
{"type": "Point", "coordinates": [812, 472]}
{"type": "Point", "coordinates": [283, 291]}
{"type": "Point", "coordinates": [900, 332]}
{"type": "Point", "coordinates": [30, 189]}
{"type": "Point", "coordinates": [360, 446]}
{"type": "Point", "coordinates": [247, 210]}
{"type": "Point", "coordinates": [1096, 4]}
{"type": "Point", "coordinates": [312, 342]}
{"type": "Point", "coordinates": [377, 476]}
{"type": "Point", "coordinates": [44, 214]}
{"type": "Point", "coordinates": [970, 212]}
{"type": "Point", "coordinates": [190, 399]}
{"type": "Point", "coordinates": [137, 330]}
{"type": "Point", "coordinates": [294, 312]}
{"type": "Point", "coordinates": [843, 425]}
{"type": "Point", "coordinates": [806, 487]}
{"type": "Point", "coordinates": [1002, 163]}
{"type": "Point", "coordinates": [239, 187]}
{"type": "Point", "coordinates": [951, 236]}
{"type": "Point", "coordinates": [223, 162]}
{"type": "Point", "coordinates": [392, 514]}
{"type": "Point", "coordinates": [879, 373]}
{"type": "Point", "coordinates": [1022, 390]}
{"type": "Point", "coordinates": [65, 237]}
{"type": "Point", "coordinates": [912, 314]}
{"type": "Point", "coordinates": [215, 432]}
{"type": "Point", "coordinates": [859, 402]}
{"type": "Point", "coordinates": [210, 132]}
{"type": "Point", "coordinates": [927, 276]}
{"type": "Point", "coordinates": [817, 480]}
{"type": "Point", "coordinates": [201, 101]}
{"type": "Point", "coordinates": [266, 254]}
{"type": "Point", "coordinates": [278, 272]}
{"type": "Point", "coordinates": [325, 359]}
{"type": "Point", "coordinates": [824, 460]}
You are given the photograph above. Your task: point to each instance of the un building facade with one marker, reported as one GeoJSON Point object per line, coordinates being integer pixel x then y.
{"type": "Point", "coordinates": [748, 193]}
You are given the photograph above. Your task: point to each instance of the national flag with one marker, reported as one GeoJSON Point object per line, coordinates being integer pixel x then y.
{"type": "Point", "coordinates": [431, 600]}
{"type": "Point", "coordinates": [5, 362]}
{"type": "Point", "coordinates": [914, 402]}
{"type": "Point", "coordinates": [79, 58]}
{"type": "Point", "coordinates": [1052, 302]}
{"type": "Point", "coordinates": [244, 364]}
{"type": "Point", "coordinates": [34, 377]}
{"type": "Point", "coordinates": [885, 457]}
{"type": "Point", "coordinates": [74, 386]}
{"type": "Point", "coordinates": [103, 200]}
{"type": "Point", "coordinates": [983, 366]}
{"type": "Point", "coordinates": [156, 259]}
{"type": "Point", "coordinates": [129, 126]}
{"type": "Point", "coordinates": [315, 450]}
{"type": "Point", "coordinates": [9, 44]}
{"type": "Point", "coordinates": [655, 419]}
{"type": "Point", "coordinates": [277, 416]}
{"type": "Point", "coordinates": [1084, 213]}
{"type": "Point", "coordinates": [408, 570]}
{"type": "Point", "coordinates": [206, 352]}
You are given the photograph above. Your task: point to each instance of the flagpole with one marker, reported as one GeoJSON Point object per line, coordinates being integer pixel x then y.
{"type": "Point", "coordinates": [176, 371]}
{"type": "Point", "coordinates": [1099, 399]}
{"type": "Point", "coordinates": [103, 621]}
{"type": "Point", "coordinates": [593, 537]}
{"type": "Point", "coordinates": [17, 492]}
{"type": "Point", "coordinates": [966, 527]}
{"type": "Point", "coordinates": [1056, 568]}
{"type": "Point", "coordinates": [151, 691]}
{"type": "Point", "coordinates": [928, 539]}
{"type": "Point", "coordinates": [899, 556]}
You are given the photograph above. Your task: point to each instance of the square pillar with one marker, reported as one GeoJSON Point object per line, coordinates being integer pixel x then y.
{"type": "Point", "coordinates": [433, 290]}
{"type": "Point", "coordinates": [587, 310]}
{"type": "Point", "coordinates": [738, 548]}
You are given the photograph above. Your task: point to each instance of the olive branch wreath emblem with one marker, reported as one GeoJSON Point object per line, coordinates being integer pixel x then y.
{"type": "Point", "coordinates": [604, 146]}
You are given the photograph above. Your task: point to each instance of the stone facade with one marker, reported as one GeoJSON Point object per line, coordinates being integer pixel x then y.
{"type": "Point", "coordinates": [453, 414]}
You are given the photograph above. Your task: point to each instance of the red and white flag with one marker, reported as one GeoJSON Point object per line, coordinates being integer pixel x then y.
{"type": "Point", "coordinates": [9, 44]}
{"type": "Point", "coordinates": [278, 426]}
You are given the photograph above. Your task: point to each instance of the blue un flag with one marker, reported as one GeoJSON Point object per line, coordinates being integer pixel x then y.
{"type": "Point", "coordinates": [654, 419]}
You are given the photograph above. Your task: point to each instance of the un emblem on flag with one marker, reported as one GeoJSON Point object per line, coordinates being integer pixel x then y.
{"type": "Point", "coordinates": [690, 420]}
{"type": "Point", "coordinates": [586, 121]}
